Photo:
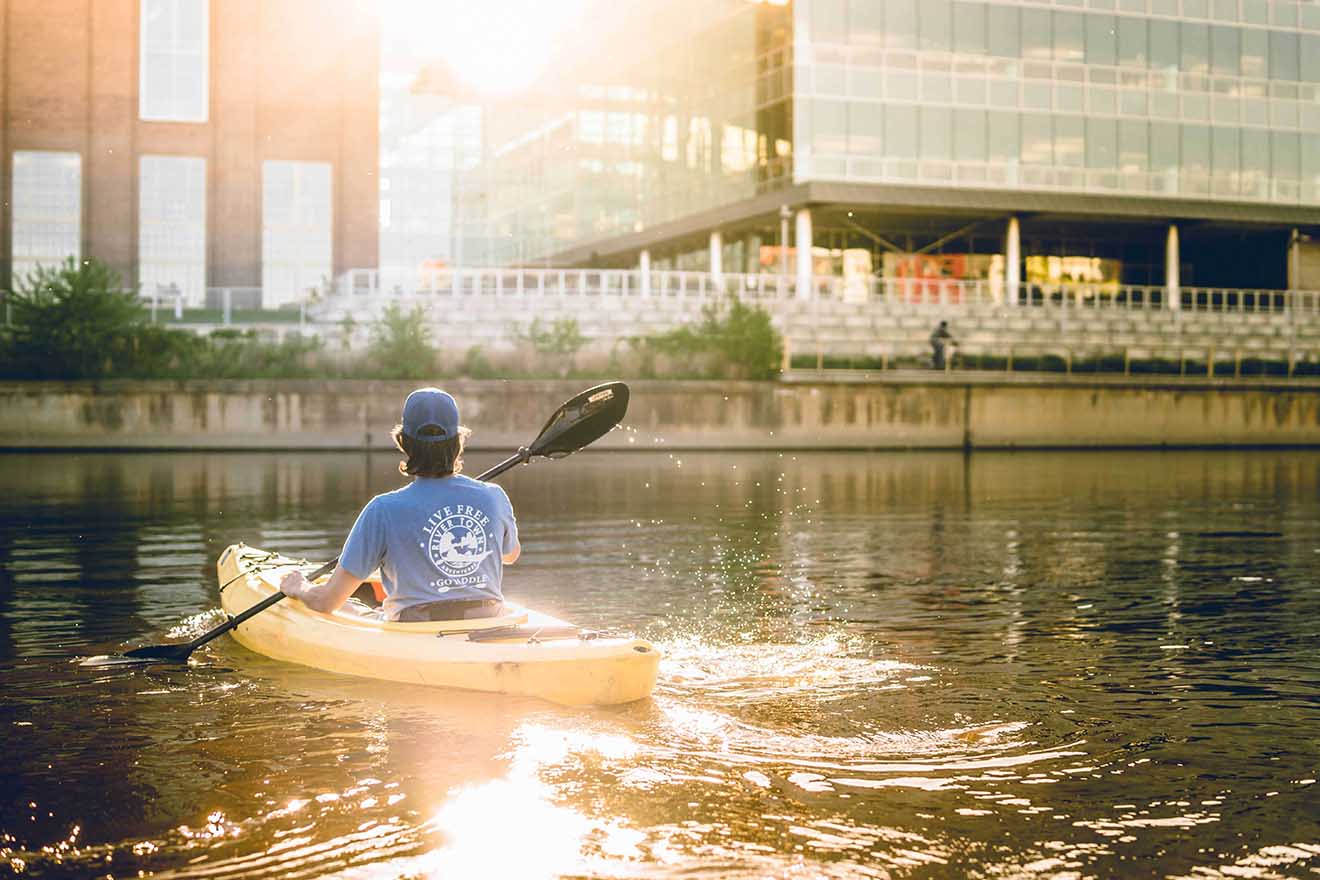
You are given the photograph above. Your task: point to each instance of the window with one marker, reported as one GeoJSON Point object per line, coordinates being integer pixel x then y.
{"type": "Point", "coordinates": [936, 25]}
{"type": "Point", "coordinates": [47, 210]}
{"type": "Point", "coordinates": [901, 23]}
{"type": "Point", "coordinates": [1195, 47]}
{"type": "Point", "coordinates": [1284, 63]}
{"type": "Point", "coordinates": [969, 28]}
{"type": "Point", "coordinates": [1101, 142]}
{"type": "Point", "coordinates": [1132, 42]}
{"type": "Point", "coordinates": [901, 131]}
{"type": "Point", "coordinates": [1037, 41]}
{"type": "Point", "coordinates": [970, 144]}
{"type": "Point", "coordinates": [1225, 50]}
{"type": "Point", "coordinates": [1132, 150]}
{"type": "Point", "coordinates": [1069, 36]}
{"type": "Point", "coordinates": [172, 227]}
{"type": "Point", "coordinates": [829, 21]}
{"type": "Point", "coordinates": [866, 127]}
{"type": "Point", "coordinates": [1003, 32]}
{"type": "Point", "coordinates": [936, 132]}
{"type": "Point", "coordinates": [173, 61]}
{"type": "Point", "coordinates": [1037, 140]}
{"type": "Point", "coordinates": [866, 22]}
{"type": "Point", "coordinates": [1005, 138]}
{"type": "Point", "coordinates": [1164, 44]}
{"type": "Point", "coordinates": [296, 229]}
{"type": "Point", "coordinates": [1101, 39]}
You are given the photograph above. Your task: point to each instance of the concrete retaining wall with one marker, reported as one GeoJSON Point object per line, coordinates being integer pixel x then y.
{"type": "Point", "coordinates": [918, 410]}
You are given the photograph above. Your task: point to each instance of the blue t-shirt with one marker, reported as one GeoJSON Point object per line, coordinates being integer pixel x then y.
{"type": "Point", "coordinates": [435, 539]}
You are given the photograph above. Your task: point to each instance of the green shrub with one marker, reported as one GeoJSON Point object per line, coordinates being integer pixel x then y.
{"type": "Point", "coordinates": [72, 321]}
{"type": "Point", "coordinates": [476, 365]}
{"type": "Point", "coordinates": [401, 345]}
{"type": "Point", "coordinates": [563, 336]}
{"type": "Point", "coordinates": [734, 340]}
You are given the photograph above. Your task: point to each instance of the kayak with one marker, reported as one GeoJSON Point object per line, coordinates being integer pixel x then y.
{"type": "Point", "coordinates": [521, 652]}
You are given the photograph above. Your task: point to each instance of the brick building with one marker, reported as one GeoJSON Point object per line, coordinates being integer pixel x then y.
{"type": "Point", "coordinates": [191, 144]}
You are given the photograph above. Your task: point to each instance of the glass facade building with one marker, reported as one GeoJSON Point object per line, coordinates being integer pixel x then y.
{"type": "Point", "coordinates": [918, 126]}
{"type": "Point", "coordinates": [1199, 98]}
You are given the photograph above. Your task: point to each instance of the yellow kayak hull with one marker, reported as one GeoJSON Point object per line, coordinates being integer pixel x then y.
{"type": "Point", "coordinates": [571, 671]}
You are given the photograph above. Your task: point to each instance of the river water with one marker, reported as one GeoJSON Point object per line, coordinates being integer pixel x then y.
{"type": "Point", "coordinates": [877, 665]}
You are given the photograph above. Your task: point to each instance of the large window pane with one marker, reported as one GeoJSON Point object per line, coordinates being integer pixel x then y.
{"type": "Point", "coordinates": [970, 144]}
{"type": "Point", "coordinates": [173, 61]}
{"type": "Point", "coordinates": [1037, 38]}
{"type": "Point", "coordinates": [1003, 31]}
{"type": "Point", "coordinates": [936, 25]}
{"type": "Point", "coordinates": [296, 229]}
{"type": "Point", "coordinates": [1311, 57]}
{"type": "Point", "coordinates": [1285, 159]}
{"type": "Point", "coordinates": [172, 227]}
{"type": "Point", "coordinates": [866, 22]}
{"type": "Point", "coordinates": [829, 21]}
{"type": "Point", "coordinates": [1132, 51]}
{"type": "Point", "coordinates": [1225, 158]}
{"type": "Point", "coordinates": [901, 131]}
{"type": "Point", "coordinates": [1255, 53]}
{"type": "Point", "coordinates": [1101, 142]}
{"type": "Point", "coordinates": [1069, 36]}
{"type": "Point", "coordinates": [1164, 146]}
{"type": "Point", "coordinates": [1195, 47]}
{"type": "Point", "coordinates": [866, 128]}
{"type": "Point", "coordinates": [829, 126]}
{"type": "Point", "coordinates": [47, 209]}
{"type": "Point", "coordinates": [1196, 148]}
{"type": "Point", "coordinates": [1133, 152]}
{"type": "Point", "coordinates": [901, 23]}
{"type": "Point", "coordinates": [1283, 56]}
{"type": "Point", "coordinates": [1101, 39]}
{"type": "Point", "coordinates": [1037, 140]}
{"type": "Point", "coordinates": [936, 137]}
{"type": "Point", "coordinates": [1164, 52]}
{"type": "Point", "coordinates": [1005, 140]}
{"type": "Point", "coordinates": [969, 28]}
{"type": "Point", "coordinates": [1069, 141]}
{"type": "Point", "coordinates": [1225, 50]}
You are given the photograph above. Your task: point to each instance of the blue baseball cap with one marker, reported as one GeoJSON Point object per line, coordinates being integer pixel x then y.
{"type": "Point", "coordinates": [430, 414]}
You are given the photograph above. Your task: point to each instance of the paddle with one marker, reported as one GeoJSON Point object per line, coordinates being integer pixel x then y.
{"type": "Point", "coordinates": [576, 424]}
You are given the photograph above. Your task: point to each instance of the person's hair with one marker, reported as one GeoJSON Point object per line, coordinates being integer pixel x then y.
{"type": "Point", "coordinates": [430, 458]}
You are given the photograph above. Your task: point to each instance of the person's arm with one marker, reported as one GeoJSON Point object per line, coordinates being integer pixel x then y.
{"type": "Point", "coordinates": [510, 548]}
{"type": "Point", "coordinates": [328, 597]}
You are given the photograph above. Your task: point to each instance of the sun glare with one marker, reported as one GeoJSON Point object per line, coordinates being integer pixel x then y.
{"type": "Point", "coordinates": [496, 47]}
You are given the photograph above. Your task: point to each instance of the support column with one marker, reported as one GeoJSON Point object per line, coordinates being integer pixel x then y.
{"type": "Point", "coordinates": [716, 255]}
{"type": "Point", "coordinates": [1013, 261]}
{"type": "Point", "coordinates": [1295, 260]}
{"type": "Point", "coordinates": [644, 267]}
{"type": "Point", "coordinates": [784, 215]}
{"type": "Point", "coordinates": [1172, 262]}
{"type": "Point", "coordinates": [804, 248]}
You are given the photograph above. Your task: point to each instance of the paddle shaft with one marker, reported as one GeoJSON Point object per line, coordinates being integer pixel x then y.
{"type": "Point", "coordinates": [255, 610]}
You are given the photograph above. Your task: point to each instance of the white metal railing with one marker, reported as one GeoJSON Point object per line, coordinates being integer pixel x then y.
{"type": "Point", "coordinates": [767, 289]}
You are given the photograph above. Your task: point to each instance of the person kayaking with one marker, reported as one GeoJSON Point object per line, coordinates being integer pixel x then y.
{"type": "Point", "coordinates": [441, 542]}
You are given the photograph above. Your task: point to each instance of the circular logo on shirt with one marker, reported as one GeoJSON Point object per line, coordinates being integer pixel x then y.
{"type": "Point", "coordinates": [457, 544]}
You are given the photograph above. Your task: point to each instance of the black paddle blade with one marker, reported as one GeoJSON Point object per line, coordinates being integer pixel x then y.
{"type": "Point", "coordinates": [582, 420]}
{"type": "Point", "coordinates": [161, 653]}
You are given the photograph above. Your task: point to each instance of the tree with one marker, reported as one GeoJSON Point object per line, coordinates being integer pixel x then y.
{"type": "Point", "coordinates": [73, 321]}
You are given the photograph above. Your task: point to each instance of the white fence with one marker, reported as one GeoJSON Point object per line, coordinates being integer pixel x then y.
{"type": "Point", "coordinates": [379, 286]}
